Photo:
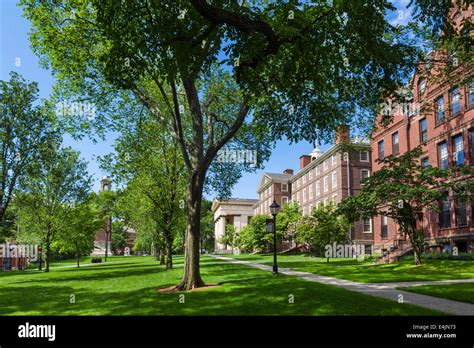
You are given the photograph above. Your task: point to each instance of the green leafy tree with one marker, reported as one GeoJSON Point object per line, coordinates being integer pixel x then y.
{"type": "Point", "coordinates": [294, 75]}
{"type": "Point", "coordinates": [149, 161]}
{"type": "Point", "coordinates": [402, 190]}
{"type": "Point", "coordinates": [48, 198]}
{"type": "Point", "coordinates": [119, 237]}
{"type": "Point", "coordinates": [77, 236]}
{"type": "Point", "coordinates": [230, 237]}
{"type": "Point", "coordinates": [25, 126]}
{"type": "Point", "coordinates": [254, 237]}
{"type": "Point", "coordinates": [287, 220]}
{"type": "Point", "coordinates": [323, 227]}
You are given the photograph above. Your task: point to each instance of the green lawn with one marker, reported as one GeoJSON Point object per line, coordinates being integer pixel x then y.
{"type": "Point", "coordinates": [127, 286]}
{"type": "Point", "coordinates": [367, 272]}
{"type": "Point", "coordinates": [456, 292]}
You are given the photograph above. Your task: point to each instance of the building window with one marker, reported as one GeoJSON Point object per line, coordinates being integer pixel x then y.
{"type": "Point", "coordinates": [310, 174]}
{"type": "Point", "coordinates": [284, 187]}
{"type": "Point", "coordinates": [317, 170]}
{"type": "Point", "coordinates": [443, 155]}
{"type": "Point", "coordinates": [472, 146]}
{"type": "Point", "coordinates": [367, 225]}
{"type": "Point", "coordinates": [421, 87]}
{"type": "Point", "coordinates": [298, 198]}
{"type": "Point", "coordinates": [364, 156]}
{"type": "Point", "coordinates": [311, 192]}
{"type": "Point", "coordinates": [445, 212]}
{"type": "Point", "coordinates": [284, 200]}
{"type": "Point", "coordinates": [318, 188]}
{"type": "Point", "coordinates": [425, 162]}
{"type": "Point", "coordinates": [334, 199]}
{"type": "Point", "coordinates": [326, 184]}
{"type": "Point", "coordinates": [325, 165]}
{"type": "Point", "coordinates": [381, 147]}
{"type": "Point", "coordinates": [334, 160]}
{"type": "Point", "coordinates": [384, 224]}
{"type": "Point", "coordinates": [304, 211]}
{"type": "Point", "coordinates": [304, 195]}
{"type": "Point", "coordinates": [423, 131]}
{"type": "Point", "coordinates": [310, 209]}
{"type": "Point", "coordinates": [461, 216]}
{"type": "Point", "coordinates": [455, 101]}
{"type": "Point", "coordinates": [440, 110]}
{"type": "Point", "coordinates": [334, 179]}
{"type": "Point", "coordinates": [395, 146]}
{"type": "Point", "coordinates": [326, 202]}
{"type": "Point", "coordinates": [364, 174]}
{"type": "Point", "coordinates": [470, 94]}
{"type": "Point", "coordinates": [458, 154]}
{"type": "Point", "coordinates": [304, 179]}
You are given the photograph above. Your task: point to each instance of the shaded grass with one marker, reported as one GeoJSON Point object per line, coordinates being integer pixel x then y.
{"type": "Point", "coordinates": [367, 272]}
{"type": "Point", "coordinates": [128, 287]}
{"type": "Point", "coordinates": [457, 292]}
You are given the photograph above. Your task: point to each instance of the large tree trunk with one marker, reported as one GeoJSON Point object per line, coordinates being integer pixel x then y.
{"type": "Point", "coordinates": [192, 275]}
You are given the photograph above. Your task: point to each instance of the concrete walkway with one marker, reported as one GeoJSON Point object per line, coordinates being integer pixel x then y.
{"type": "Point", "coordinates": [384, 290]}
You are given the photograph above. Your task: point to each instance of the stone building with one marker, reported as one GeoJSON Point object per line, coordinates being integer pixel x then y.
{"type": "Point", "coordinates": [233, 211]}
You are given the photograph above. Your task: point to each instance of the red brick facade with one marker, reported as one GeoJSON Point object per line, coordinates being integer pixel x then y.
{"type": "Point", "coordinates": [445, 127]}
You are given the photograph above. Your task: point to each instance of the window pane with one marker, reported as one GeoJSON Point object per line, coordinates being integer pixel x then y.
{"type": "Point", "coordinates": [458, 150]}
{"type": "Point", "coordinates": [440, 109]}
{"type": "Point", "coordinates": [443, 155]}
{"type": "Point", "coordinates": [455, 101]}
{"type": "Point", "coordinates": [470, 92]}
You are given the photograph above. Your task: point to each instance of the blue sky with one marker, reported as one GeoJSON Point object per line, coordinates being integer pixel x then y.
{"type": "Point", "coordinates": [16, 55]}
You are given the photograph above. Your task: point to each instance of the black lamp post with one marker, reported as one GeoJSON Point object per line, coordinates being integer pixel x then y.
{"type": "Point", "coordinates": [274, 208]}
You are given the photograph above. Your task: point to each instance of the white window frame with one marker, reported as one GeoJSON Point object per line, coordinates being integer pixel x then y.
{"type": "Point", "coordinates": [334, 179]}
{"type": "Point", "coordinates": [362, 171]}
{"type": "Point", "coordinates": [334, 198]}
{"type": "Point", "coordinates": [310, 187]}
{"type": "Point", "coordinates": [310, 174]}
{"type": "Point", "coordinates": [318, 170]}
{"type": "Point", "coordinates": [360, 156]}
{"type": "Point", "coordinates": [318, 188]}
{"type": "Point", "coordinates": [334, 159]}
{"type": "Point", "coordinates": [284, 200]}
{"type": "Point", "coordinates": [370, 226]}
{"type": "Point", "coordinates": [325, 165]}
{"type": "Point", "coordinates": [284, 189]}
{"type": "Point", "coordinates": [304, 195]}
{"type": "Point", "coordinates": [326, 184]}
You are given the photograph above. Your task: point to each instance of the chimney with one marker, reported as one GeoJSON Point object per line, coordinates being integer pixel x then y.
{"type": "Point", "coordinates": [342, 134]}
{"type": "Point", "coordinates": [288, 171]}
{"type": "Point", "coordinates": [304, 161]}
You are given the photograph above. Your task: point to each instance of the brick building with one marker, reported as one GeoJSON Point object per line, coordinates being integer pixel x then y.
{"type": "Point", "coordinates": [323, 177]}
{"type": "Point", "coordinates": [443, 122]}
{"type": "Point", "coordinates": [273, 187]}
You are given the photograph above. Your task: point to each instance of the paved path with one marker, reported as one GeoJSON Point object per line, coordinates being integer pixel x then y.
{"type": "Point", "coordinates": [384, 290]}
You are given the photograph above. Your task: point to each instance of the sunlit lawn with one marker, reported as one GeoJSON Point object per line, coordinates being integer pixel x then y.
{"type": "Point", "coordinates": [127, 286]}
{"type": "Point", "coordinates": [352, 269]}
{"type": "Point", "coordinates": [457, 292]}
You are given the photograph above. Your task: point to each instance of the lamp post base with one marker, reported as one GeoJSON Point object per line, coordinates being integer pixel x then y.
{"type": "Point", "coordinates": [275, 269]}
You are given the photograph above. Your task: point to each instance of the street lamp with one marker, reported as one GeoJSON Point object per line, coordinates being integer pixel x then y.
{"type": "Point", "coordinates": [274, 208]}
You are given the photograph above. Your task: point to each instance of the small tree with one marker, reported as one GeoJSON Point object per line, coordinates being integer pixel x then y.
{"type": "Point", "coordinates": [49, 197]}
{"type": "Point", "coordinates": [78, 234]}
{"type": "Point", "coordinates": [230, 237]}
{"type": "Point", "coordinates": [254, 237]}
{"type": "Point", "coordinates": [402, 190]}
{"type": "Point", "coordinates": [323, 227]}
{"type": "Point", "coordinates": [287, 220]}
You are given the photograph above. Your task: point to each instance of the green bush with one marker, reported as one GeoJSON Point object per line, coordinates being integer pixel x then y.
{"type": "Point", "coordinates": [442, 256]}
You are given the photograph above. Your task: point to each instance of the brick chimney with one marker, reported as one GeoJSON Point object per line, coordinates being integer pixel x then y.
{"type": "Point", "coordinates": [304, 161]}
{"type": "Point", "coordinates": [342, 134]}
{"type": "Point", "coordinates": [288, 171]}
